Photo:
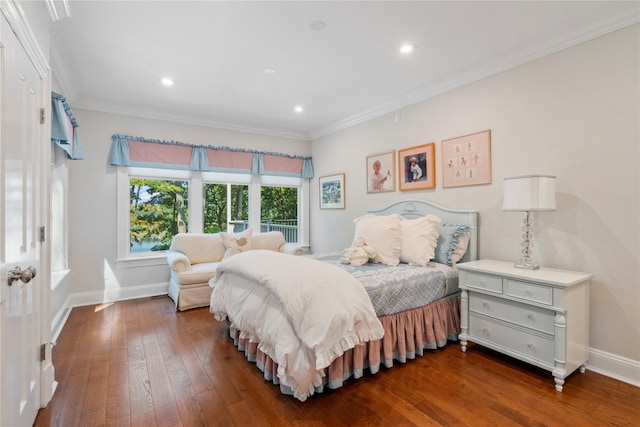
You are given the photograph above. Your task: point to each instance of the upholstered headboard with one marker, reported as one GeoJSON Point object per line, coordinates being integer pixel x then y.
{"type": "Point", "coordinates": [412, 209]}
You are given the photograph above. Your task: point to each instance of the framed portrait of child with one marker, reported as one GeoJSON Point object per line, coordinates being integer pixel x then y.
{"type": "Point", "coordinates": [381, 172]}
{"type": "Point", "coordinates": [416, 167]}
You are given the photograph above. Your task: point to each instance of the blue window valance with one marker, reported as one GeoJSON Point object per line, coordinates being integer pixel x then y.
{"type": "Point", "coordinates": [64, 127]}
{"type": "Point", "coordinates": [142, 152]}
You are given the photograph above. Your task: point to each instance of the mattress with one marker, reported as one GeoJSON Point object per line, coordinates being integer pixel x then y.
{"type": "Point", "coordinates": [403, 287]}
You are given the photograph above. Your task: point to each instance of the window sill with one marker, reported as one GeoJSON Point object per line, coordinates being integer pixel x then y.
{"type": "Point", "coordinates": [143, 261]}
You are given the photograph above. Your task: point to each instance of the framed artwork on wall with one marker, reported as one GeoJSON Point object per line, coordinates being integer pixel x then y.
{"type": "Point", "coordinates": [466, 160]}
{"type": "Point", "coordinates": [417, 167]}
{"type": "Point", "coordinates": [381, 172]}
{"type": "Point", "coordinates": [332, 191]}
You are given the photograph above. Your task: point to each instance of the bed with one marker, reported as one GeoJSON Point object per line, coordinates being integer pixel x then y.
{"type": "Point", "coordinates": [348, 319]}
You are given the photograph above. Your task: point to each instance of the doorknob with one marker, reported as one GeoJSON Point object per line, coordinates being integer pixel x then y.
{"type": "Point", "coordinates": [18, 274]}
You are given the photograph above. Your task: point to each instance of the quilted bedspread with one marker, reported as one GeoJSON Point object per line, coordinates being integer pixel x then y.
{"type": "Point", "coordinates": [399, 288]}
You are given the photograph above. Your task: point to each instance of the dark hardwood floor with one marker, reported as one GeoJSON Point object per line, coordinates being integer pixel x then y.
{"type": "Point", "coordinates": [139, 363]}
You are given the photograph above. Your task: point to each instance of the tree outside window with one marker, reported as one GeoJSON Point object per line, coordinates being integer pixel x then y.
{"type": "Point", "coordinates": [279, 211]}
{"type": "Point", "coordinates": [225, 204]}
{"type": "Point", "coordinates": [159, 209]}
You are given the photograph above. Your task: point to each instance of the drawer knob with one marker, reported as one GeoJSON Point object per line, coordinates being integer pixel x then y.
{"type": "Point", "coordinates": [485, 304]}
{"type": "Point", "coordinates": [531, 348]}
{"type": "Point", "coordinates": [531, 317]}
{"type": "Point", "coordinates": [485, 331]}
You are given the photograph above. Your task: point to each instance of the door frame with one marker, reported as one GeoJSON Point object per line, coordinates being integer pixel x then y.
{"type": "Point", "coordinates": [18, 22]}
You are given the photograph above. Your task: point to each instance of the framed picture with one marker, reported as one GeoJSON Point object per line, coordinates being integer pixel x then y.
{"type": "Point", "coordinates": [466, 160]}
{"type": "Point", "coordinates": [381, 172]}
{"type": "Point", "coordinates": [332, 191]}
{"type": "Point", "coordinates": [417, 167]}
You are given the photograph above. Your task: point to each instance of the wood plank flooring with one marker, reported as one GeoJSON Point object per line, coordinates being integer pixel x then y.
{"type": "Point", "coordinates": [139, 363]}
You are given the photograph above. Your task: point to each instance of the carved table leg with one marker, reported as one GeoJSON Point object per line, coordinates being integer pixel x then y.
{"type": "Point", "coordinates": [464, 319]}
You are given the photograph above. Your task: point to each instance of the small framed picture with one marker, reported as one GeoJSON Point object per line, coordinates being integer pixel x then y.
{"type": "Point", "coordinates": [417, 167]}
{"type": "Point", "coordinates": [381, 172]}
{"type": "Point", "coordinates": [466, 160]}
{"type": "Point", "coordinates": [332, 191]}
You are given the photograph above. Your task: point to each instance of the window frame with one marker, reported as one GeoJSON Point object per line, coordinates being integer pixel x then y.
{"type": "Point", "coordinates": [125, 259]}
{"type": "Point", "coordinates": [59, 216]}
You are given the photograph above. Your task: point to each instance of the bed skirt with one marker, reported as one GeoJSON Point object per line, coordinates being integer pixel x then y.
{"type": "Point", "coordinates": [406, 335]}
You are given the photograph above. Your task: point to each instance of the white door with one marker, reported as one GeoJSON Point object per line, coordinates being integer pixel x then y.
{"type": "Point", "coordinates": [20, 205]}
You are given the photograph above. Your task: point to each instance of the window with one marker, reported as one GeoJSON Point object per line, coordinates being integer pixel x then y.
{"type": "Point", "coordinates": [59, 215]}
{"type": "Point", "coordinates": [159, 209]}
{"type": "Point", "coordinates": [279, 211]}
{"type": "Point", "coordinates": [155, 204]}
{"type": "Point", "coordinates": [226, 207]}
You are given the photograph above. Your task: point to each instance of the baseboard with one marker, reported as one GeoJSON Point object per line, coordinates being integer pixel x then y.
{"type": "Point", "coordinates": [614, 366]}
{"type": "Point", "coordinates": [59, 320]}
{"type": "Point", "coordinates": [118, 294]}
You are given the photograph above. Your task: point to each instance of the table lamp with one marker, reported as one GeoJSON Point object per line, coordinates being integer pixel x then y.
{"type": "Point", "coordinates": [529, 193]}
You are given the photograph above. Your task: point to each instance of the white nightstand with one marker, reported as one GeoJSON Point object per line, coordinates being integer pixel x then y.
{"type": "Point", "coordinates": [538, 316]}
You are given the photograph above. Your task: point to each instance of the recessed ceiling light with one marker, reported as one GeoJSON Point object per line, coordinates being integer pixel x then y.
{"type": "Point", "coordinates": [166, 81]}
{"type": "Point", "coordinates": [269, 70]}
{"type": "Point", "coordinates": [318, 25]}
{"type": "Point", "coordinates": [407, 48]}
{"type": "Point", "coordinates": [298, 109]}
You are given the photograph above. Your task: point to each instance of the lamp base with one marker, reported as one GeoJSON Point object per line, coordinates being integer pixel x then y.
{"type": "Point", "coordinates": [526, 262]}
{"type": "Point", "coordinates": [526, 265]}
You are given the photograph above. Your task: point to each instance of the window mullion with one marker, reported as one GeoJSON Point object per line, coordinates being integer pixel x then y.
{"type": "Point", "coordinates": [196, 204]}
{"type": "Point", "coordinates": [254, 203]}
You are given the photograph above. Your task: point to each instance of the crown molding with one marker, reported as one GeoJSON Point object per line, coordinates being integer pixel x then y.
{"type": "Point", "coordinates": [60, 74]}
{"type": "Point", "coordinates": [480, 72]}
{"type": "Point", "coordinates": [190, 119]}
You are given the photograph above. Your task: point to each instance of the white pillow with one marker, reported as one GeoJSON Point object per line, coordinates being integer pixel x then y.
{"type": "Point", "coordinates": [419, 239]}
{"type": "Point", "coordinates": [236, 242]}
{"type": "Point", "coordinates": [384, 234]}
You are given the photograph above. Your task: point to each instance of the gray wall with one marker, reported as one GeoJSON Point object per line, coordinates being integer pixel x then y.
{"type": "Point", "coordinates": [574, 114]}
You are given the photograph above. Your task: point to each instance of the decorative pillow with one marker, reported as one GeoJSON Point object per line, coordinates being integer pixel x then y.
{"type": "Point", "coordinates": [419, 239]}
{"type": "Point", "coordinates": [448, 241]}
{"type": "Point", "coordinates": [461, 247]}
{"type": "Point", "coordinates": [383, 233]}
{"type": "Point", "coordinates": [236, 242]}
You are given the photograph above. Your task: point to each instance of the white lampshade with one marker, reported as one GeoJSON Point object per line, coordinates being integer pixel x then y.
{"type": "Point", "coordinates": [530, 193]}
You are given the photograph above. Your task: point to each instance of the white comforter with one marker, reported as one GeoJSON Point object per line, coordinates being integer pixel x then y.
{"type": "Point", "coordinates": [304, 312]}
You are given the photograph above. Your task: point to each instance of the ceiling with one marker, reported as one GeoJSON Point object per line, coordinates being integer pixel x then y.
{"type": "Point", "coordinates": [110, 55]}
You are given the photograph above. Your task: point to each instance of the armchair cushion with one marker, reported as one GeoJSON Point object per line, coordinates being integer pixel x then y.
{"type": "Point", "coordinates": [198, 247]}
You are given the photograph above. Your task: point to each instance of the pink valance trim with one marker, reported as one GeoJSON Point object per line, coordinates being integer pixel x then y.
{"type": "Point", "coordinates": [135, 151]}
{"type": "Point", "coordinates": [282, 164]}
{"type": "Point", "coordinates": [148, 152]}
{"type": "Point", "coordinates": [229, 159]}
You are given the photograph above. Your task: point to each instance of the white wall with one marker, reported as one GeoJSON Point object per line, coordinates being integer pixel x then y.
{"type": "Point", "coordinates": [92, 238]}
{"type": "Point", "coordinates": [574, 114]}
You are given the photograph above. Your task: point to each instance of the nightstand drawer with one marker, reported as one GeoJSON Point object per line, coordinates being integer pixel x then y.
{"type": "Point", "coordinates": [528, 316]}
{"type": "Point", "coordinates": [530, 345]}
{"type": "Point", "coordinates": [529, 291]}
{"type": "Point", "coordinates": [484, 282]}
